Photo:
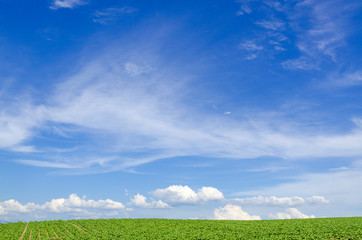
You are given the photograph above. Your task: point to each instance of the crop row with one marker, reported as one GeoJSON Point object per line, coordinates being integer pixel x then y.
{"type": "Point", "coordinates": [328, 228]}
{"type": "Point", "coordinates": [42, 230]}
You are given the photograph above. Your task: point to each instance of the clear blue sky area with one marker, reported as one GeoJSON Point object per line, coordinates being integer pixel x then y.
{"type": "Point", "coordinates": [240, 109]}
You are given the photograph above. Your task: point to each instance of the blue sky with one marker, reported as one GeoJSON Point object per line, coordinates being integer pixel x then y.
{"type": "Point", "coordinates": [182, 109]}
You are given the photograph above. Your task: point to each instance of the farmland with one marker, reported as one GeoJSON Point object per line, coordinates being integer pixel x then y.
{"type": "Point", "coordinates": [327, 228]}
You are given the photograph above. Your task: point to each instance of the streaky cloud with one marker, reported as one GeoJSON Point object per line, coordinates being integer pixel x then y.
{"type": "Point", "coordinates": [67, 4]}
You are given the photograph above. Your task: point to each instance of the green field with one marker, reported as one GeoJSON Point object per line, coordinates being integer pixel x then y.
{"type": "Point", "coordinates": [323, 228]}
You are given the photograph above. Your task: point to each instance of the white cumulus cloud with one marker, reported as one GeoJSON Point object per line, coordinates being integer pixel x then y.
{"type": "Point", "coordinates": [317, 200]}
{"type": "Point", "coordinates": [233, 212]}
{"type": "Point", "coordinates": [77, 204]}
{"type": "Point", "coordinates": [2, 210]}
{"type": "Point", "coordinates": [139, 200]}
{"type": "Point", "coordinates": [178, 194]}
{"type": "Point", "coordinates": [13, 206]}
{"type": "Point", "coordinates": [290, 213]}
{"type": "Point", "coordinates": [61, 207]}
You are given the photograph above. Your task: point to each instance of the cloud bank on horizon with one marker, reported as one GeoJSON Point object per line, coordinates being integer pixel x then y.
{"type": "Point", "coordinates": [260, 99]}
{"type": "Point", "coordinates": [168, 199]}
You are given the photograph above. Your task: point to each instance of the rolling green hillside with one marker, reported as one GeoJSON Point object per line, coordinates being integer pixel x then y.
{"type": "Point", "coordinates": [327, 228]}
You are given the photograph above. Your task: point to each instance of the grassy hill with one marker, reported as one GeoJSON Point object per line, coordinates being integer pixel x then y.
{"type": "Point", "coordinates": [323, 228]}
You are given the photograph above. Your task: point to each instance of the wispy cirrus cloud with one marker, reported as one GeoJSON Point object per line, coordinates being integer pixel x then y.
{"type": "Point", "coordinates": [275, 4]}
{"type": "Point", "coordinates": [143, 127]}
{"type": "Point", "coordinates": [270, 36]}
{"type": "Point", "coordinates": [134, 69]}
{"type": "Point", "coordinates": [344, 80]}
{"type": "Point", "coordinates": [302, 63]}
{"type": "Point", "coordinates": [272, 24]}
{"type": "Point", "coordinates": [252, 47]}
{"type": "Point", "coordinates": [266, 46]}
{"type": "Point", "coordinates": [67, 4]}
{"type": "Point", "coordinates": [109, 15]}
{"type": "Point", "coordinates": [244, 9]}
{"type": "Point", "coordinates": [329, 26]}
{"type": "Point", "coordinates": [16, 126]}
{"type": "Point", "coordinates": [318, 29]}
{"type": "Point", "coordinates": [120, 111]}
{"type": "Point", "coordinates": [47, 164]}
{"type": "Point", "coordinates": [281, 201]}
